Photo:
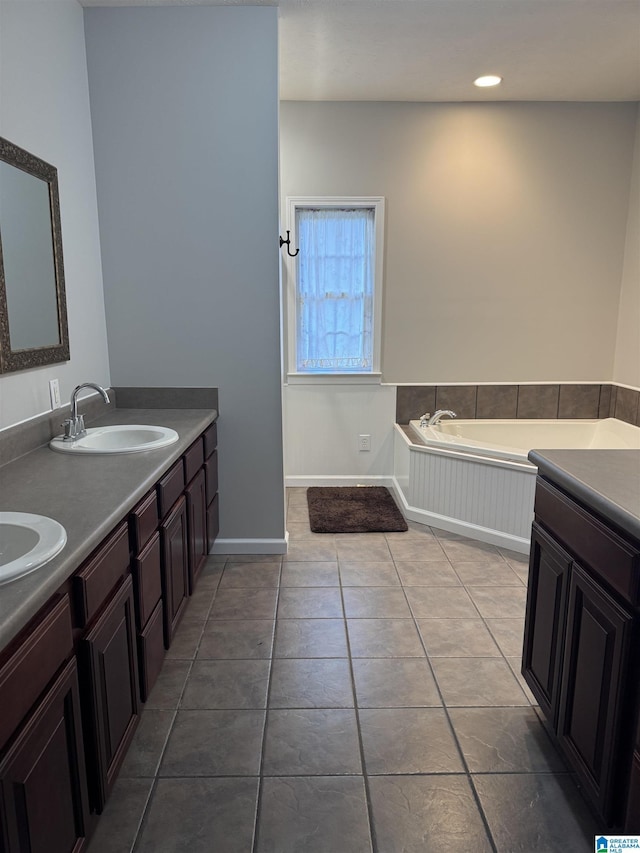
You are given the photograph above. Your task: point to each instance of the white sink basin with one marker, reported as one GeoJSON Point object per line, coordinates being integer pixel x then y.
{"type": "Point", "coordinates": [27, 542]}
{"type": "Point", "coordinates": [122, 438]}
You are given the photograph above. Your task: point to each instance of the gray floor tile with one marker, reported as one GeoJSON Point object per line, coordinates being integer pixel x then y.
{"type": "Point", "coordinates": [314, 683]}
{"type": "Point", "coordinates": [168, 688]}
{"type": "Point", "coordinates": [300, 530]}
{"type": "Point", "coordinates": [368, 573]}
{"type": "Point", "coordinates": [415, 531]}
{"type": "Point", "coordinates": [420, 814]}
{"type": "Point", "coordinates": [252, 575]}
{"type": "Point", "coordinates": [316, 814]}
{"type": "Point", "coordinates": [375, 603]}
{"type": "Point", "coordinates": [440, 602]}
{"type": "Point", "coordinates": [244, 604]}
{"type": "Point", "coordinates": [457, 638]}
{"type": "Point", "coordinates": [311, 742]}
{"type": "Point", "coordinates": [364, 549]}
{"type": "Point", "coordinates": [537, 813]}
{"type": "Point", "coordinates": [499, 603]}
{"type": "Point", "coordinates": [199, 604]}
{"type": "Point", "coordinates": [221, 684]}
{"type": "Point", "coordinates": [310, 603]}
{"type": "Point", "coordinates": [186, 639]}
{"type": "Point", "coordinates": [408, 740]}
{"type": "Point", "coordinates": [516, 666]}
{"type": "Point", "coordinates": [200, 815]}
{"type": "Point", "coordinates": [421, 573]}
{"type": "Point", "coordinates": [312, 550]}
{"type": "Point", "coordinates": [494, 573]}
{"type": "Point", "coordinates": [297, 512]}
{"type": "Point", "coordinates": [311, 638]}
{"type": "Point", "coordinates": [504, 740]}
{"type": "Point", "coordinates": [394, 683]}
{"type": "Point", "coordinates": [416, 550]}
{"type": "Point", "coordinates": [214, 743]}
{"type": "Point", "coordinates": [508, 634]}
{"type": "Point", "coordinates": [145, 752]}
{"type": "Point", "coordinates": [477, 682]}
{"type": "Point", "coordinates": [237, 638]}
{"type": "Point", "coordinates": [120, 821]}
{"type": "Point", "coordinates": [310, 574]}
{"type": "Point", "coordinates": [384, 638]}
{"type": "Point", "coordinates": [461, 550]}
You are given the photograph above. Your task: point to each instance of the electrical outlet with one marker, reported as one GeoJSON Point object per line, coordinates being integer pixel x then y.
{"type": "Point", "coordinates": [364, 442]}
{"type": "Point", "coordinates": [54, 393]}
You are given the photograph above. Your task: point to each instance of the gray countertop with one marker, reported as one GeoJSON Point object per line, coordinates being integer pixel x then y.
{"type": "Point", "coordinates": [608, 481]}
{"type": "Point", "coordinates": [88, 495]}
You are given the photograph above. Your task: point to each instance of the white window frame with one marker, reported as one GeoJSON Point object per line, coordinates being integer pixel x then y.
{"type": "Point", "coordinates": [294, 202]}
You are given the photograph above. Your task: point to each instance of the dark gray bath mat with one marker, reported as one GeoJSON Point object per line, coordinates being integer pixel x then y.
{"type": "Point", "coordinates": [353, 509]}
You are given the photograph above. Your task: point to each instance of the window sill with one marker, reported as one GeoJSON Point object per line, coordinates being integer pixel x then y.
{"type": "Point", "coordinates": [333, 379]}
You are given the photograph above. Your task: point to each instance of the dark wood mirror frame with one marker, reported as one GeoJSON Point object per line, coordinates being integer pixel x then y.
{"type": "Point", "coordinates": [24, 359]}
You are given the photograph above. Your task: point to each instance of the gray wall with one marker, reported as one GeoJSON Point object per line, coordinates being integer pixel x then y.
{"type": "Point", "coordinates": [505, 229]}
{"type": "Point", "coordinates": [44, 107]}
{"type": "Point", "coordinates": [184, 104]}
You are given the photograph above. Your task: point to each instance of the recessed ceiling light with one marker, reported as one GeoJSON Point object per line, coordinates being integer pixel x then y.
{"type": "Point", "coordinates": [487, 80]}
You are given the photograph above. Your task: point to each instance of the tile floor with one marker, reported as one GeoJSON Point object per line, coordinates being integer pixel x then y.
{"type": "Point", "coordinates": [360, 695]}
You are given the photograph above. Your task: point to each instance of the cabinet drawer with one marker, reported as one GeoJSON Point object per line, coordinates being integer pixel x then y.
{"type": "Point", "coordinates": [144, 522]}
{"type": "Point", "coordinates": [210, 440]}
{"type": "Point", "coordinates": [211, 476]}
{"type": "Point", "coordinates": [151, 651]}
{"type": "Point", "coordinates": [614, 559]}
{"type": "Point", "coordinates": [193, 460]}
{"type": "Point", "coordinates": [170, 488]}
{"type": "Point", "coordinates": [32, 666]}
{"type": "Point", "coordinates": [147, 580]}
{"type": "Point", "coordinates": [100, 574]}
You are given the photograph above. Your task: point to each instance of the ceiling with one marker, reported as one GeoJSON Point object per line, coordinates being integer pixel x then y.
{"type": "Point", "coordinates": [432, 50]}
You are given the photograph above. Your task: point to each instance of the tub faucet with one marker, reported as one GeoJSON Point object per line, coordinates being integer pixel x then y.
{"type": "Point", "coordinates": [434, 420]}
{"type": "Point", "coordinates": [74, 426]}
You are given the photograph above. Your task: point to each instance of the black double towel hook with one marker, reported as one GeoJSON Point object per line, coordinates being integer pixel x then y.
{"type": "Point", "coordinates": [287, 243]}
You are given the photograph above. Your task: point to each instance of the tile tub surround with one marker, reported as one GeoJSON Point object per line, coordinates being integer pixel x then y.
{"type": "Point", "coordinates": [564, 400]}
{"type": "Point", "coordinates": [404, 727]}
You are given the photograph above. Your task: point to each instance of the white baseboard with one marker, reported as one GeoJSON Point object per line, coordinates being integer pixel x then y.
{"type": "Point", "coordinates": [251, 546]}
{"type": "Point", "coordinates": [463, 528]}
{"type": "Point", "coordinates": [303, 481]}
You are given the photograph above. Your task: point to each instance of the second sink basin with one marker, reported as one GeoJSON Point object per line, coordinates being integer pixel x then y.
{"type": "Point", "coordinates": [122, 438]}
{"type": "Point", "coordinates": [27, 541]}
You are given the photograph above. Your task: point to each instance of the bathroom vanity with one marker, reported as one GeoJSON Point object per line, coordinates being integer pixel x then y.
{"type": "Point", "coordinates": [84, 637]}
{"type": "Point", "coordinates": [581, 655]}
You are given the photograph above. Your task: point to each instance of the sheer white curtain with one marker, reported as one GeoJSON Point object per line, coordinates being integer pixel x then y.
{"type": "Point", "coordinates": [335, 289]}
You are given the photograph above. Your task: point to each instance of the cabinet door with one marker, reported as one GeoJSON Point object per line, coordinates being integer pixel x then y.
{"type": "Point", "coordinates": [197, 518]}
{"type": "Point", "coordinates": [597, 644]}
{"type": "Point", "coordinates": [109, 658]}
{"type": "Point", "coordinates": [175, 567]}
{"type": "Point", "coordinates": [544, 621]}
{"type": "Point", "coordinates": [43, 787]}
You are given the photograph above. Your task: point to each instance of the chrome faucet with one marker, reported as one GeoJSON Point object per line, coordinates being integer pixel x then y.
{"type": "Point", "coordinates": [74, 426]}
{"type": "Point", "coordinates": [434, 420]}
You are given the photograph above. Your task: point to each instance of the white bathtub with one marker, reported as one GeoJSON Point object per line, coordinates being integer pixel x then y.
{"type": "Point", "coordinates": [473, 477]}
{"type": "Point", "coordinates": [513, 439]}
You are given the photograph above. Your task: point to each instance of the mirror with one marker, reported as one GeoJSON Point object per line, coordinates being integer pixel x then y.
{"type": "Point", "coordinates": [33, 309]}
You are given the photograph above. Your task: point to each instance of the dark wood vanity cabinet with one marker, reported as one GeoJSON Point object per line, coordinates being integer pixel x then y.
{"type": "Point", "coordinates": [44, 806]}
{"type": "Point", "coordinates": [175, 567]}
{"type": "Point", "coordinates": [581, 655]}
{"type": "Point", "coordinates": [210, 440]}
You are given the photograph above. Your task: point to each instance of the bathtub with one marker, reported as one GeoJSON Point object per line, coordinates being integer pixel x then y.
{"type": "Point", "coordinates": [513, 439]}
{"type": "Point", "coordinates": [472, 477]}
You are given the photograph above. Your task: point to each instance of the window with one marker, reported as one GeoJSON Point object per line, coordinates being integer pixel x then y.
{"type": "Point", "coordinates": [335, 285]}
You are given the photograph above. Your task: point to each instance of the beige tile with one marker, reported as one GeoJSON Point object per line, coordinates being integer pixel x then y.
{"type": "Point", "coordinates": [310, 574]}
{"type": "Point", "coordinates": [508, 634]}
{"type": "Point", "coordinates": [440, 602]}
{"type": "Point", "coordinates": [375, 603]}
{"type": "Point", "coordinates": [312, 550]}
{"type": "Point", "coordinates": [457, 638]}
{"type": "Point", "coordinates": [499, 603]}
{"type": "Point", "coordinates": [416, 550]}
{"type": "Point", "coordinates": [493, 573]}
{"type": "Point", "coordinates": [479, 682]}
{"type": "Point", "coordinates": [368, 573]}
{"type": "Point", "coordinates": [421, 573]}
{"type": "Point", "coordinates": [363, 549]}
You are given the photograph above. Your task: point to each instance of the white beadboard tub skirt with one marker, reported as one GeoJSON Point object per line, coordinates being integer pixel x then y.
{"type": "Point", "coordinates": [473, 477]}
{"type": "Point", "coordinates": [480, 497]}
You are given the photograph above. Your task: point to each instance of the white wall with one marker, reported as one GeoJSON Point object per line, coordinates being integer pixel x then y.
{"type": "Point", "coordinates": [185, 118]}
{"type": "Point", "coordinates": [44, 108]}
{"type": "Point", "coordinates": [505, 228]}
{"type": "Point", "coordinates": [505, 239]}
{"type": "Point", "coordinates": [627, 360]}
